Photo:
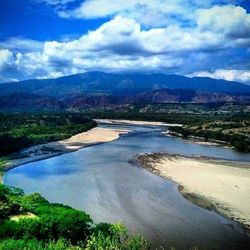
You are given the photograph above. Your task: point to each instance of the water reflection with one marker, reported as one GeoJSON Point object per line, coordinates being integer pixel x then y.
{"type": "Point", "coordinates": [100, 180]}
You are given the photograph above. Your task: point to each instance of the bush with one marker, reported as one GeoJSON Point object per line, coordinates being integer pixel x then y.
{"type": "Point", "coordinates": [33, 244]}
{"type": "Point", "coordinates": [8, 206]}
{"type": "Point", "coordinates": [33, 202]}
{"type": "Point", "coordinates": [114, 236]}
{"type": "Point", "coordinates": [56, 226]}
{"type": "Point", "coordinates": [11, 144]}
{"type": "Point", "coordinates": [67, 223]}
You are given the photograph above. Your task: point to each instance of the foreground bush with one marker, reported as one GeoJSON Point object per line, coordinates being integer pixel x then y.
{"type": "Point", "coordinates": [55, 226]}
{"type": "Point", "coordinates": [115, 237]}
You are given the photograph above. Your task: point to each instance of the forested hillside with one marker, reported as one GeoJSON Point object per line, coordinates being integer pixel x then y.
{"type": "Point", "coordinates": [119, 84]}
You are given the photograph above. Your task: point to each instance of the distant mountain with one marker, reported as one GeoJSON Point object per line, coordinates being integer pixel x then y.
{"type": "Point", "coordinates": [184, 96]}
{"type": "Point", "coordinates": [162, 96]}
{"type": "Point", "coordinates": [98, 89]}
{"type": "Point", "coordinates": [83, 101]}
{"type": "Point", "coordinates": [30, 102]}
{"type": "Point", "coordinates": [99, 83]}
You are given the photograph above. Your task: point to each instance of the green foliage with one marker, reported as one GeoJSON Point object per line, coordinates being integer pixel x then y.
{"type": "Point", "coordinates": [33, 244]}
{"type": "Point", "coordinates": [114, 237]}
{"type": "Point", "coordinates": [218, 132]}
{"type": "Point", "coordinates": [180, 130]}
{"type": "Point", "coordinates": [32, 202]}
{"type": "Point", "coordinates": [8, 205]}
{"type": "Point", "coordinates": [56, 226]}
{"type": "Point", "coordinates": [18, 131]}
{"type": "Point", "coordinates": [57, 222]}
{"type": "Point", "coordinates": [3, 162]}
{"type": "Point", "coordinates": [67, 223]}
{"type": "Point", "coordinates": [241, 145]}
{"type": "Point", "coordinates": [11, 144]}
{"type": "Point", "coordinates": [183, 113]}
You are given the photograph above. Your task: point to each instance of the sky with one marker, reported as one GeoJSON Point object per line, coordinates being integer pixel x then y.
{"type": "Point", "coordinates": [52, 38]}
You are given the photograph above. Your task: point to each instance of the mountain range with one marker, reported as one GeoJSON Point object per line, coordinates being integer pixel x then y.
{"type": "Point", "coordinates": [104, 89]}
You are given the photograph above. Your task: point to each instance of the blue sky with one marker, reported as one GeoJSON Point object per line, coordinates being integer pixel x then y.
{"type": "Point", "coordinates": [52, 38]}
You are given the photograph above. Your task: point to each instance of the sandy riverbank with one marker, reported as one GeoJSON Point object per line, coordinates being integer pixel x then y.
{"type": "Point", "coordinates": [43, 151]}
{"type": "Point", "coordinates": [130, 122]}
{"type": "Point", "coordinates": [221, 185]}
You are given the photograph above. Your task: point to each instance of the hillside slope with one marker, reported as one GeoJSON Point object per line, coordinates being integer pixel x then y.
{"type": "Point", "coordinates": [119, 84]}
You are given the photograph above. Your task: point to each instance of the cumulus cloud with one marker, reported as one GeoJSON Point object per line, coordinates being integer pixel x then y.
{"type": "Point", "coordinates": [158, 42]}
{"type": "Point", "coordinates": [148, 12]}
{"type": "Point", "coordinates": [229, 20]}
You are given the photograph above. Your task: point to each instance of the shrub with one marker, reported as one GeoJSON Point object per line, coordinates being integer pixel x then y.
{"type": "Point", "coordinates": [114, 236]}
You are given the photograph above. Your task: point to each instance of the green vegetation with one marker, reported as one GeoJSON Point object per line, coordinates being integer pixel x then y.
{"type": "Point", "coordinates": [56, 226]}
{"type": "Point", "coordinates": [3, 161]}
{"type": "Point", "coordinates": [18, 131]}
{"type": "Point", "coordinates": [235, 132]}
{"type": "Point", "coordinates": [183, 113]}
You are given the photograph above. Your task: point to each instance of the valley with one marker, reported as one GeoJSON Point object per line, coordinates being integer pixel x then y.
{"type": "Point", "coordinates": [124, 125]}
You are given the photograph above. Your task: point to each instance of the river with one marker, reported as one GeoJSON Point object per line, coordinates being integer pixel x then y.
{"type": "Point", "coordinates": [101, 181]}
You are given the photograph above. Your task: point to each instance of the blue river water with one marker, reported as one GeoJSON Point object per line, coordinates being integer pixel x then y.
{"type": "Point", "coordinates": [101, 181]}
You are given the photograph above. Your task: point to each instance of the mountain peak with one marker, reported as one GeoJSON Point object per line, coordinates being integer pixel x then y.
{"type": "Point", "coordinates": [97, 82]}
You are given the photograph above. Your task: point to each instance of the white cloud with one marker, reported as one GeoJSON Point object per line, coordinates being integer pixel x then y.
{"type": "Point", "coordinates": [157, 13]}
{"type": "Point", "coordinates": [102, 8]}
{"type": "Point", "coordinates": [8, 79]}
{"type": "Point", "coordinates": [21, 44]}
{"type": "Point", "coordinates": [124, 43]}
{"type": "Point", "coordinates": [147, 12]}
{"type": "Point", "coordinates": [230, 75]}
{"type": "Point", "coordinates": [51, 75]}
{"type": "Point", "coordinates": [229, 20]}
{"type": "Point", "coordinates": [6, 57]}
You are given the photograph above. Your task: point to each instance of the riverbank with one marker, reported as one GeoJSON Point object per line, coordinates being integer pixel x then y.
{"type": "Point", "coordinates": [235, 134]}
{"type": "Point", "coordinates": [43, 151]}
{"type": "Point", "coordinates": [198, 140]}
{"type": "Point", "coordinates": [209, 183]}
{"type": "Point", "coordinates": [131, 122]}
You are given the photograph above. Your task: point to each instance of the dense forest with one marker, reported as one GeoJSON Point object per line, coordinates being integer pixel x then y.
{"type": "Point", "coordinates": [18, 131]}
{"type": "Point", "coordinates": [30, 222]}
